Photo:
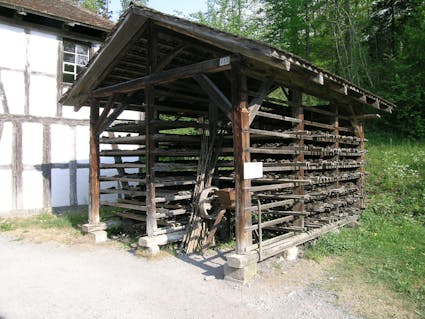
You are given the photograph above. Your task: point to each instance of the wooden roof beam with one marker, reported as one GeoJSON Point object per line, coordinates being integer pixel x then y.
{"type": "Point", "coordinates": [188, 71]}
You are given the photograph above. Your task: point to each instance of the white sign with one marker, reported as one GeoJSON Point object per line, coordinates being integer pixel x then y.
{"type": "Point", "coordinates": [224, 61]}
{"type": "Point", "coordinates": [253, 170]}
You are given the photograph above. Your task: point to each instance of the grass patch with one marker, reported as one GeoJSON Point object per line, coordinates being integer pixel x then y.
{"type": "Point", "coordinates": [389, 245]}
{"type": "Point", "coordinates": [44, 220]}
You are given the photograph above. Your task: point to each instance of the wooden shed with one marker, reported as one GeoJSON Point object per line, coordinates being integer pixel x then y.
{"type": "Point", "coordinates": [210, 116]}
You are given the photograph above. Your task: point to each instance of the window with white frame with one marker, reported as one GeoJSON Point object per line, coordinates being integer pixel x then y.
{"type": "Point", "coordinates": [75, 58]}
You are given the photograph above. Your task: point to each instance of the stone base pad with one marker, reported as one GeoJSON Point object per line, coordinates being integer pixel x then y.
{"type": "Point", "coordinates": [242, 275]}
{"type": "Point", "coordinates": [99, 236]}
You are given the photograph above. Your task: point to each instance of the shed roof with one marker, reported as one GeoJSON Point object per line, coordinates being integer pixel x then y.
{"type": "Point", "coordinates": [298, 72]}
{"type": "Point", "coordinates": [61, 9]}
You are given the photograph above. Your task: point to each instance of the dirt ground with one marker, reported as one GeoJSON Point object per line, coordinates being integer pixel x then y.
{"type": "Point", "coordinates": [53, 280]}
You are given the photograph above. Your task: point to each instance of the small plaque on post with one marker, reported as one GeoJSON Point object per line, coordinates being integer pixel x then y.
{"type": "Point", "coordinates": [225, 61]}
{"type": "Point", "coordinates": [252, 170]}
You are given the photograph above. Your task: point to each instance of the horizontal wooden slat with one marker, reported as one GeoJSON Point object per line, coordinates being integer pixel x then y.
{"type": "Point", "coordinates": [269, 205]}
{"type": "Point", "coordinates": [270, 223]}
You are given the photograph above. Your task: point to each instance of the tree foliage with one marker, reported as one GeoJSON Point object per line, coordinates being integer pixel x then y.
{"type": "Point", "coordinates": [240, 17]}
{"type": "Point", "coordinates": [378, 44]}
{"type": "Point", "coordinates": [100, 7]}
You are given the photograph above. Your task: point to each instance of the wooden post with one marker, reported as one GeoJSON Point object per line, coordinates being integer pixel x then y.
{"type": "Point", "coordinates": [361, 182]}
{"type": "Point", "coordinates": [295, 102]}
{"type": "Point", "coordinates": [151, 223]}
{"type": "Point", "coordinates": [94, 205]}
{"type": "Point", "coordinates": [241, 144]}
{"type": "Point", "coordinates": [336, 157]}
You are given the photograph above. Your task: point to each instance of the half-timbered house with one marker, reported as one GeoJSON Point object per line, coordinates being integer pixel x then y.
{"type": "Point", "coordinates": [43, 144]}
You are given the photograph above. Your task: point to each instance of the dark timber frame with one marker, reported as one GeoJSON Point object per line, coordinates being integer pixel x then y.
{"type": "Point", "coordinates": [197, 85]}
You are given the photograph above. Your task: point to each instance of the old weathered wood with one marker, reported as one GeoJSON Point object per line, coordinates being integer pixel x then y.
{"type": "Point", "coordinates": [312, 155]}
{"type": "Point", "coordinates": [361, 170]}
{"type": "Point", "coordinates": [241, 143]}
{"type": "Point", "coordinates": [217, 97]}
{"type": "Point", "coordinates": [336, 145]}
{"type": "Point", "coordinates": [112, 117]}
{"type": "Point", "coordinates": [118, 45]}
{"type": "Point", "coordinates": [258, 100]}
{"type": "Point", "coordinates": [150, 115]}
{"type": "Point", "coordinates": [94, 204]}
{"type": "Point", "coordinates": [270, 222]}
{"type": "Point", "coordinates": [104, 115]}
{"type": "Point", "coordinates": [213, 230]}
{"type": "Point", "coordinates": [167, 60]}
{"type": "Point", "coordinates": [270, 205]}
{"type": "Point", "coordinates": [214, 65]}
{"type": "Point", "coordinates": [302, 73]}
{"type": "Point", "coordinates": [295, 102]}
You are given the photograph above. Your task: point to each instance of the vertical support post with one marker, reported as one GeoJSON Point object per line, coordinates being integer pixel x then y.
{"type": "Point", "coordinates": [295, 102]}
{"type": "Point", "coordinates": [260, 231]}
{"type": "Point", "coordinates": [94, 205]}
{"type": "Point", "coordinates": [150, 114]}
{"type": "Point", "coordinates": [241, 144]}
{"type": "Point", "coordinates": [151, 224]}
{"type": "Point", "coordinates": [336, 157]}
{"type": "Point", "coordinates": [360, 134]}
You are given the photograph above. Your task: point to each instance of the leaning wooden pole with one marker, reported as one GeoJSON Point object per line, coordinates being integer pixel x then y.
{"type": "Point", "coordinates": [241, 144]}
{"type": "Point", "coordinates": [94, 205]}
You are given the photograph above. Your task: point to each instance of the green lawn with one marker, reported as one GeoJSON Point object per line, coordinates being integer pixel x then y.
{"type": "Point", "coordinates": [389, 244]}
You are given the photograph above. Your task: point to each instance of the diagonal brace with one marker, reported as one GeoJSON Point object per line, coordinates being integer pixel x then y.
{"type": "Point", "coordinates": [217, 97]}
{"type": "Point", "coordinates": [255, 104]}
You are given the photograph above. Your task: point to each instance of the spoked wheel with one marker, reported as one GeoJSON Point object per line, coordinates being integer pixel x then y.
{"type": "Point", "coordinates": [205, 205]}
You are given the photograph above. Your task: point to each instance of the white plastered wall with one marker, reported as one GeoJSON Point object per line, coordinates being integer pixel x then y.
{"type": "Point", "coordinates": [32, 158]}
{"type": "Point", "coordinates": [29, 66]}
{"type": "Point", "coordinates": [82, 157]}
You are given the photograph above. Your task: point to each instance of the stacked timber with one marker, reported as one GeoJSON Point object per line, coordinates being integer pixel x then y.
{"type": "Point", "coordinates": [175, 152]}
{"type": "Point", "coordinates": [313, 169]}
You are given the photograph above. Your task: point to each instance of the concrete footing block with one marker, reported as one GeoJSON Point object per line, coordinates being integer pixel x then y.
{"type": "Point", "coordinates": [291, 254]}
{"type": "Point", "coordinates": [151, 244]}
{"type": "Point", "coordinates": [89, 228]}
{"type": "Point", "coordinates": [99, 236]}
{"type": "Point", "coordinates": [241, 275]}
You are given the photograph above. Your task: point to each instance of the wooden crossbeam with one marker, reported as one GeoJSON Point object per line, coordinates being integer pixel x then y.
{"type": "Point", "coordinates": [217, 97]}
{"type": "Point", "coordinates": [188, 71]}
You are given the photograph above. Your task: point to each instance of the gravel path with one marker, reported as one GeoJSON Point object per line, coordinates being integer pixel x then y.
{"type": "Point", "coordinates": [54, 281]}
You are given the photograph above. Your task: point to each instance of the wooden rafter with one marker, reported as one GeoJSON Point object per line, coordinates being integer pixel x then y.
{"type": "Point", "coordinates": [167, 60]}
